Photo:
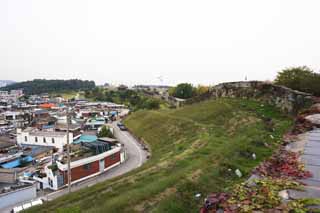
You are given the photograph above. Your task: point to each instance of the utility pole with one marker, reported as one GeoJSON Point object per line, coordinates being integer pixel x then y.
{"type": "Point", "coordinates": [68, 151]}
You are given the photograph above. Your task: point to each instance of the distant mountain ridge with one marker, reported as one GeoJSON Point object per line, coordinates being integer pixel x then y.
{"type": "Point", "coordinates": [39, 86]}
{"type": "Point", "coordinates": [4, 83]}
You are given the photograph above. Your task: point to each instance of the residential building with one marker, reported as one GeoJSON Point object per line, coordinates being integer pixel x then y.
{"type": "Point", "coordinates": [16, 194]}
{"type": "Point", "coordinates": [33, 136]}
{"type": "Point", "coordinates": [88, 160]}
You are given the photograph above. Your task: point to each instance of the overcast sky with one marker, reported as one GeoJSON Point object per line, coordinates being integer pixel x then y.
{"type": "Point", "coordinates": [135, 42]}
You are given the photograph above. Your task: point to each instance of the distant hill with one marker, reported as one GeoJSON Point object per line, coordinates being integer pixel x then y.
{"type": "Point", "coordinates": [4, 83]}
{"type": "Point", "coordinates": [39, 86]}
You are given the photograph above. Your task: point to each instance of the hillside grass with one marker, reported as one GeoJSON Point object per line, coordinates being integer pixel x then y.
{"type": "Point", "coordinates": [193, 150]}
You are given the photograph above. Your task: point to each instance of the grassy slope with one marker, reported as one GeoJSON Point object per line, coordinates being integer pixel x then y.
{"type": "Point", "coordinates": [192, 150]}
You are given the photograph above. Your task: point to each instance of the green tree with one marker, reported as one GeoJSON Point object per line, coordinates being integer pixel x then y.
{"type": "Point", "coordinates": [300, 78]}
{"type": "Point", "coordinates": [105, 132]}
{"type": "Point", "coordinates": [151, 103]}
{"type": "Point", "coordinates": [183, 91]}
{"type": "Point", "coordinates": [201, 90]}
{"type": "Point", "coordinates": [39, 86]}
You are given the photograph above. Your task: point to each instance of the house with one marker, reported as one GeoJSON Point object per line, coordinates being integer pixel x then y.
{"type": "Point", "coordinates": [34, 136]}
{"type": "Point", "coordinates": [87, 160]}
{"type": "Point", "coordinates": [95, 123]}
{"type": "Point", "coordinates": [12, 96]}
{"type": "Point", "coordinates": [16, 194]}
{"type": "Point", "coordinates": [75, 129]}
{"type": "Point", "coordinates": [46, 106]}
{"type": "Point", "coordinates": [42, 119]}
{"type": "Point", "coordinates": [16, 118]}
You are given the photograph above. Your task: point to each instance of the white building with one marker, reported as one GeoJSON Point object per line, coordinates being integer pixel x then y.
{"type": "Point", "coordinates": [17, 93]}
{"type": "Point", "coordinates": [12, 96]}
{"type": "Point", "coordinates": [82, 169]}
{"type": "Point", "coordinates": [32, 136]}
{"type": "Point", "coordinates": [4, 93]}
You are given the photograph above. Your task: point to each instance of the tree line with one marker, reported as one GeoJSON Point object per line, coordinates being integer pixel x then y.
{"type": "Point", "coordinates": [39, 86]}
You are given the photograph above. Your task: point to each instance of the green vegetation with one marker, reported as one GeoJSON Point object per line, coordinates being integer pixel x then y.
{"type": "Point", "coordinates": [183, 91]}
{"type": "Point", "coordinates": [188, 91]}
{"type": "Point", "coordinates": [300, 78]}
{"type": "Point", "coordinates": [68, 95]}
{"type": "Point", "coordinates": [195, 149]}
{"type": "Point", "coordinates": [39, 86]}
{"type": "Point", "coordinates": [105, 132]}
{"type": "Point", "coordinates": [130, 98]}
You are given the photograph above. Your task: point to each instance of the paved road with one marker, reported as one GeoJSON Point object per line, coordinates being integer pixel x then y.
{"type": "Point", "coordinates": [136, 156]}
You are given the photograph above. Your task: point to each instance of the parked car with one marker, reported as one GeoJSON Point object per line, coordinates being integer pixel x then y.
{"type": "Point", "coordinates": [122, 128]}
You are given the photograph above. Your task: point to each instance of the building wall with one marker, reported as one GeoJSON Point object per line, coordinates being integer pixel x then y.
{"type": "Point", "coordinates": [8, 175]}
{"type": "Point", "coordinates": [18, 196]}
{"type": "Point", "coordinates": [59, 141]}
{"type": "Point", "coordinates": [82, 171]}
{"type": "Point", "coordinates": [112, 159]}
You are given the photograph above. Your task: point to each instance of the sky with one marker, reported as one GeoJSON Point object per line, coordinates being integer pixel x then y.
{"type": "Point", "coordinates": [157, 42]}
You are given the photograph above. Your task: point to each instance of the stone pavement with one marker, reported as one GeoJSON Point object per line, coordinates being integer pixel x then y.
{"type": "Point", "coordinates": [311, 159]}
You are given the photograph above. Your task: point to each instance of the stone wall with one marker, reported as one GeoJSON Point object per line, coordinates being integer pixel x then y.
{"type": "Point", "coordinates": [288, 100]}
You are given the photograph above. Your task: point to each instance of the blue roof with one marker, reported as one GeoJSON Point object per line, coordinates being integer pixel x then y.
{"type": "Point", "coordinates": [16, 163]}
{"type": "Point", "coordinates": [113, 113]}
{"type": "Point", "coordinates": [86, 139]}
{"type": "Point", "coordinates": [47, 126]}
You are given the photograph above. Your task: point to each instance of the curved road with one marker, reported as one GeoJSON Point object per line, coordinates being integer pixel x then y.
{"type": "Point", "coordinates": [136, 156]}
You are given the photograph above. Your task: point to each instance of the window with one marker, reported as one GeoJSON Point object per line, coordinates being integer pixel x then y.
{"type": "Point", "coordinates": [25, 138]}
{"type": "Point", "coordinates": [44, 140]}
{"type": "Point", "coordinates": [87, 166]}
{"type": "Point", "coordinates": [36, 139]}
{"type": "Point", "coordinates": [52, 140]}
{"type": "Point", "coordinates": [113, 157]}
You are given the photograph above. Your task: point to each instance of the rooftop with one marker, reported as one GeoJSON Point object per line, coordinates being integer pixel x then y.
{"type": "Point", "coordinates": [6, 142]}
{"type": "Point", "coordinates": [36, 132]}
{"type": "Point", "coordinates": [35, 150]}
{"type": "Point", "coordinates": [85, 150]}
{"type": "Point", "coordinates": [64, 126]}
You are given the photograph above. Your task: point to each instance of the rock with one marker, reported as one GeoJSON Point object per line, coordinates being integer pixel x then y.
{"type": "Point", "coordinates": [198, 195]}
{"type": "Point", "coordinates": [314, 119]}
{"type": "Point", "coordinates": [252, 180]}
{"type": "Point", "coordinates": [254, 157]}
{"type": "Point", "coordinates": [284, 195]}
{"type": "Point", "coordinates": [238, 173]}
